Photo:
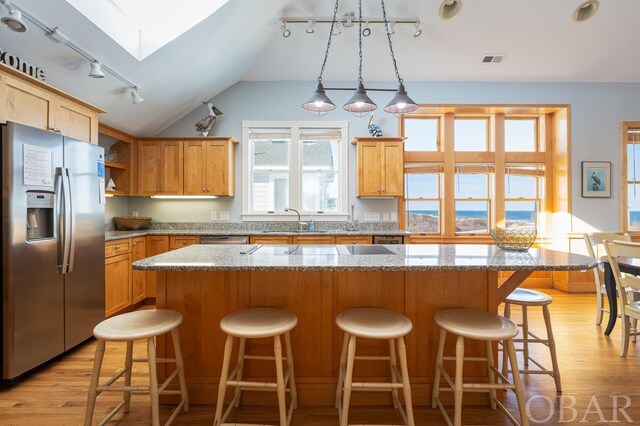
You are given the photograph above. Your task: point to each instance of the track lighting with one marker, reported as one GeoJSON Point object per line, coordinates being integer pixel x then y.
{"type": "Point", "coordinates": [310, 29]}
{"type": "Point", "coordinates": [418, 31]}
{"type": "Point", "coordinates": [136, 98]}
{"type": "Point", "coordinates": [585, 11]}
{"type": "Point", "coordinates": [367, 31]}
{"type": "Point", "coordinates": [14, 19]}
{"type": "Point", "coordinates": [96, 70]}
{"type": "Point", "coordinates": [449, 9]}
{"type": "Point", "coordinates": [285, 31]}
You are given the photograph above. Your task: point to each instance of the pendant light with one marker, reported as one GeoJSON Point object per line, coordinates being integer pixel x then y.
{"type": "Point", "coordinates": [360, 104]}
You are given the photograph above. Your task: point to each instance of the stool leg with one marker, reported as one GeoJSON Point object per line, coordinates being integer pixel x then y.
{"type": "Point", "coordinates": [351, 354]}
{"type": "Point", "coordinates": [153, 382]}
{"type": "Point", "coordinates": [513, 360]}
{"type": "Point", "coordinates": [552, 348]}
{"type": "Point", "coordinates": [600, 297]}
{"type": "Point", "coordinates": [127, 376]}
{"type": "Point", "coordinates": [436, 382]}
{"type": "Point", "coordinates": [292, 378]}
{"type": "Point", "coordinates": [392, 364]}
{"type": "Point", "coordinates": [525, 335]}
{"type": "Point", "coordinates": [505, 357]}
{"type": "Point", "coordinates": [240, 370]}
{"type": "Point", "coordinates": [492, 378]}
{"type": "Point", "coordinates": [406, 385]}
{"type": "Point", "coordinates": [95, 378]}
{"type": "Point", "coordinates": [343, 364]}
{"type": "Point", "coordinates": [457, 405]}
{"type": "Point", "coordinates": [624, 333]}
{"type": "Point", "coordinates": [277, 349]}
{"type": "Point", "coordinates": [224, 376]}
{"type": "Point", "coordinates": [175, 337]}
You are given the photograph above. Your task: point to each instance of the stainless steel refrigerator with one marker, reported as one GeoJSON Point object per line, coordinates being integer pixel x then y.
{"type": "Point", "coordinates": [52, 245]}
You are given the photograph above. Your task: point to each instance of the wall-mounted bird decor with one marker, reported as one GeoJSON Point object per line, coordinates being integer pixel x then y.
{"type": "Point", "coordinates": [205, 125]}
{"type": "Point", "coordinates": [373, 128]}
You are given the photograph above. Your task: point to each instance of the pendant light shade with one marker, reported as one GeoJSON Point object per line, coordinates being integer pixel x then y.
{"type": "Point", "coordinates": [360, 104]}
{"type": "Point", "coordinates": [319, 104]}
{"type": "Point", "coordinates": [401, 102]}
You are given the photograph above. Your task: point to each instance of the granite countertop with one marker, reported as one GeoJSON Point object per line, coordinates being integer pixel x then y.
{"type": "Point", "coordinates": [415, 257]}
{"type": "Point", "coordinates": [118, 235]}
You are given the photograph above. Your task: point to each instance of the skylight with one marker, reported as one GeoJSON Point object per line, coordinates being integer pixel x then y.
{"type": "Point", "coordinates": [143, 26]}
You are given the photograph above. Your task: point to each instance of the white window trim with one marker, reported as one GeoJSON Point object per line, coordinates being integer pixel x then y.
{"type": "Point", "coordinates": [295, 171]}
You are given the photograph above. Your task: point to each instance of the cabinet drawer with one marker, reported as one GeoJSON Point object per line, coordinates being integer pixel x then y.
{"type": "Point", "coordinates": [179, 242]}
{"type": "Point", "coordinates": [314, 239]}
{"type": "Point", "coordinates": [355, 239]}
{"type": "Point", "coordinates": [274, 239]}
{"type": "Point", "coordinates": [116, 248]}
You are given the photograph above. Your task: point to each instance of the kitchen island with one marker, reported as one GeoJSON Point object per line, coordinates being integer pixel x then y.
{"type": "Point", "coordinates": [204, 283]}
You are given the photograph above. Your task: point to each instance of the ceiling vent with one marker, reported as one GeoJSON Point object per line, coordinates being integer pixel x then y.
{"type": "Point", "coordinates": [493, 59]}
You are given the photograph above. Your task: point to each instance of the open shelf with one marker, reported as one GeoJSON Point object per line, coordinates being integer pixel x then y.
{"type": "Point", "coordinates": [115, 192]}
{"type": "Point", "coordinates": [116, 165]}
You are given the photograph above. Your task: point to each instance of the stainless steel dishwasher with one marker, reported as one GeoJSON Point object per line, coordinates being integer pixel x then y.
{"type": "Point", "coordinates": [224, 239]}
{"type": "Point", "coordinates": [388, 239]}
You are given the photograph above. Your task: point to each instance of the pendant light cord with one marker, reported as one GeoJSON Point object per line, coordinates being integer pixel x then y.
{"type": "Point", "coordinates": [393, 56]}
{"type": "Point", "coordinates": [360, 40]}
{"type": "Point", "coordinates": [326, 53]}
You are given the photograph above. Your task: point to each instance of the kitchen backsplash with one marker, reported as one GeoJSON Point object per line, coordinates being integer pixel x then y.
{"type": "Point", "coordinates": [265, 226]}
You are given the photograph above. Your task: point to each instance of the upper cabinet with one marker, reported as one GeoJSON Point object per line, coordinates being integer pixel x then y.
{"type": "Point", "coordinates": [26, 100]}
{"type": "Point", "coordinates": [189, 166]}
{"type": "Point", "coordinates": [119, 160]}
{"type": "Point", "coordinates": [380, 167]}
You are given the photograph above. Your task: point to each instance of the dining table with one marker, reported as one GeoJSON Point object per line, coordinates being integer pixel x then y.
{"type": "Point", "coordinates": [627, 265]}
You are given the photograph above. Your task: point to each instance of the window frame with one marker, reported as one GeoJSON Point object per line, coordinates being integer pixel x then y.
{"type": "Point", "coordinates": [539, 198]}
{"type": "Point", "coordinates": [487, 200]}
{"type": "Point", "coordinates": [439, 198]}
{"type": "Point", "coordinates": [625, 182]}
{"type": "Point", "coordinates": [296, 171]}
{"type": "Point", "coordinates": [537, 138]}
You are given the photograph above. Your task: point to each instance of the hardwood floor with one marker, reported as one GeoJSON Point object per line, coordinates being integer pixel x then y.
{"type": "Point", "coordinates": [595, 379]}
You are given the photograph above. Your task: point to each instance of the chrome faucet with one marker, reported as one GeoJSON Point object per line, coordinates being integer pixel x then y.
{"type": "Point", "coordinates": [300, 222]}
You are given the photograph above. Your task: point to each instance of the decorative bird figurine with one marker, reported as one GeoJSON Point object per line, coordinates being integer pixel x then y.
{"type": "Point", "coordinates": [373, 128]}
{"type": "Point", "coordinates": [205, 125]}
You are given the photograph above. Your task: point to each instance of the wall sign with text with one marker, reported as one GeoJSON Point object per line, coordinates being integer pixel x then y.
{"type": "Point", "coordinates": [21, 65]}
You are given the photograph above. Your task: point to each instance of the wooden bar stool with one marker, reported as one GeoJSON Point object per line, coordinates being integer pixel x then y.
{"type": "Point", "coordinates": [371, 323]}
{"type": "Point", "coordinates": [477, 325]}
{"type": "Point", "coordinates": [526, 298]}
{"type": "Point", "coordinates": [257, 324]}
{"type": "Point", "coordinates": [129, 327]}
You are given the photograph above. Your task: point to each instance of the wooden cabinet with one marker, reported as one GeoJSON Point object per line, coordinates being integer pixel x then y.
{"type": "Point", "coordinates": [354, 239]}
{"type": "Point", "coordinates": [160, 167]}
{"type": "Point", "coordinates": [114, 248]}
{"type": "Point", "coordinates": [138, 278]}
{"type": "Point", "coordinates": [176, 242]}
{"type": "Point", "coordinates": [156, 244]}
{"type": "Point", "coordinates": [25, 100]}
{"type": "Point", "coordinates": [314, 239]}
{"type": "Point", "coordinates": [117, 278]}
{"type": "Point", "coordinates": [380, 167]}
{"type": "Point", "coordinates": [123, 170]}
{"type": "Point", "coordinates": [271, 239]}
{"type": "Point", "coordinates": [209, 167]}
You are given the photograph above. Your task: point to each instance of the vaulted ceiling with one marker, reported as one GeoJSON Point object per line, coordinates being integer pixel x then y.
{"type": "Point", "coordinates": [242, 41]}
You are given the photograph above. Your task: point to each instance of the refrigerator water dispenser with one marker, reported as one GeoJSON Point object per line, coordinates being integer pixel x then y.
{"type": "Point", "coordinates": [39, 215]}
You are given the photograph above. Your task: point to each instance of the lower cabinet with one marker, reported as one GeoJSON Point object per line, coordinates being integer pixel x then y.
{"type": "Point", "coordinates": [176, 242]}
{"type": "Point", "coordinates": [354, 239]}
{"type": "Point", "coordinates": [156, 244]}
{"type": "Point", "coordinates": [138, 278]}
{"type": "Point", "coordinates": [270, 239]}
{"type": "Point", "coordinates": [117, 283]}
{"type": "Point", "coordinates": [314, 239]}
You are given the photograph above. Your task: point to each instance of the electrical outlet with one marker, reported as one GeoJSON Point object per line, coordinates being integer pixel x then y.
{"type": "Point", "coordinates": [371, 217]}
{"type": "Point", "coordinates": [224, 215]}
{"type": "Point", "coordinates": [134, 214]}
{"type": "Point", "coordinates": [214, 215]}
{"type": "Point", "coordinates": [394, 217]}
{"type": "Point", "coordinates": [385, 216]}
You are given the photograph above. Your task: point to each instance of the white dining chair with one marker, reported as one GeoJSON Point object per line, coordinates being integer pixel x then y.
{"type": "Point", "coordinates": [628, 309]}
{"type": "Point", "coordinates": [594, 242]}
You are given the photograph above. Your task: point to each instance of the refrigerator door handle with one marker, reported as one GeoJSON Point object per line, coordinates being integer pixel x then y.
{"type": "Point", "coordinates": [59, 192]}
{"type": "Point", "coordinates": [72, 221]}
{"type": "Point", "coordinates": [66, 237]}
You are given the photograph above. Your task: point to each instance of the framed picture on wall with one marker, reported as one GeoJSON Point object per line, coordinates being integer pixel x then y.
{"type": "Point", "coordinates": [596, 179]}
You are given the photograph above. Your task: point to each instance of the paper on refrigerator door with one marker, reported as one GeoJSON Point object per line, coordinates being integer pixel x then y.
{"type": "Point", "coordinates": [37, 166]}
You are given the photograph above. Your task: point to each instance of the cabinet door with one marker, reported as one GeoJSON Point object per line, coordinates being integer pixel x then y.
{"type": "Point", "coordinates": [27, 104]}
{"type": "Point", "coordinates": [354, 239]}
{"type": "Point", "coordinates": [219, 169]}
{"type": "Point", "coordinates": [138, 278]}
{"type": "Point", "coordinates": [75, 121]}
{"type": "Point", "coordinates": [314, 239]}
{"type": "Point", "coordinates": [155, 245]}
{"type": "Point", "coordinates": [172, 168]}
{"type": "Point", "coordinates": [392, 168]}
{"type": "Point", "coordinates": [369, 160]}
{"type": "Point", "coordinates": [117, 283]}
{"type": "Point", "coordinates": [149, 165]}
{"type": "Point", "coordinates": [195, 166]}
{"type": "Point", "coordinates": [176, 242]}
{"type": "Point", "coordinates": [273, 239]}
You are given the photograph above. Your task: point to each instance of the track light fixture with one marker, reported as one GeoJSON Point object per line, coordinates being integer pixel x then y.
{"type": "Point", "coordinates": [136, 98]}
{"type": "Point", "coordinates": [585, 11]}
{"type": "Point", "coordinates": [310, 29]}
{"type": "Point", "coordinates": [13, 20]}
{"type": "Point", "coordinates": [360, 104]}
{"type": "Point", "coordinates": [285, 31]}
{"type": "Point", "coordinates": [96, 70]}
{"type": "Point", "coordinates": [418, 31]}
{"type": "Point", "coordinates": [367, 31]}
{"type": "Point", "coordinates": [449, 9]}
